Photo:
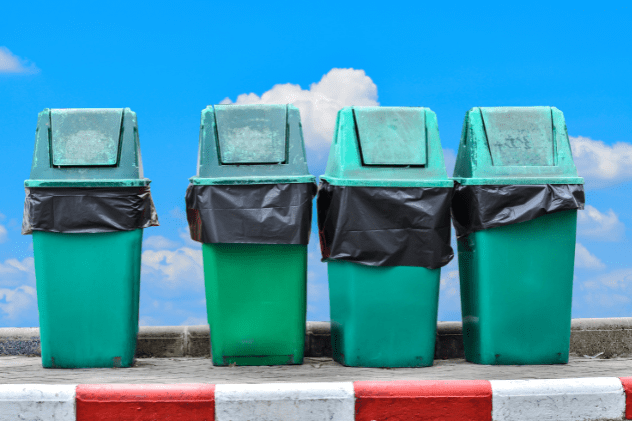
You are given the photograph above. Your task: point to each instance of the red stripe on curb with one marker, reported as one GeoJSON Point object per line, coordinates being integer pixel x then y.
{"type": "Point", "coordinates": [627, 387]}
{"type": "Point", "coordinates": [423, 400]}
{"type": "Point", "coordinates": [139, 402]}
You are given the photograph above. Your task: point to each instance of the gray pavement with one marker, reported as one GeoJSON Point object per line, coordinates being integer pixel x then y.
{"type": "Point", "coordinates": [20, 369]}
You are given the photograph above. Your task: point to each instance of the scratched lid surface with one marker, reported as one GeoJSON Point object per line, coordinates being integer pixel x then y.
{"type": "Point", "coordinates": [252, 134]}
{"type": "Point", "coordinates": [85, 137]}
{"type": "Point", "coordinates": [391, 135]}
{"type": "Point", "coordinates": [519, 135]}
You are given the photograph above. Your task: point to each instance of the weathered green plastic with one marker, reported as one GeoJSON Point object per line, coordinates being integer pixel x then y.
{"type": "Point", "coordinates": [87, 147]}
{"type": "Point", "coordinates": [515, 145]}
{"type": "Point", "coordinates": [516, 291]}
{"type": "Point", "coordinates": [256, 302]}
{"type": "Point", "coordinates": [88, 293]}
{"type": "Point", "coordinates": [255, 293]}
{"type": "Point", "coordinates": [87, 284]}
{"type": "Point", "coordinates": [251, 144]}
{"type": "Point", "coordinates": [383, 316]}
{"type": "Point", "coordinates": [386, 146]}
{"type": "Point", "coordinates": [517, 280]}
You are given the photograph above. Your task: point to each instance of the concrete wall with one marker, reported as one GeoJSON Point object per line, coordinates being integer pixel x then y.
{"type": "Point", "coordinates": [600, 338]}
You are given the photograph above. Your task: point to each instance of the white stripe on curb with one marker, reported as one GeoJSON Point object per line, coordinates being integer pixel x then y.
{"type": "Point", "coordinates": [285, 401]}
{"type": "Point", "coordinates": [597, 398]}
{"type": "Point", "coordinates": [37, 402]}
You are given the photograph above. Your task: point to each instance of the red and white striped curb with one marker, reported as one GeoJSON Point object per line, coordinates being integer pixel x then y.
{"type": "Point", "coordinates": [598, 398]}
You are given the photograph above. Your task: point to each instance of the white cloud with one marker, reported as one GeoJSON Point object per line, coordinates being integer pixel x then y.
{"type": "Point", "coordinates": [159, 242]}
{"type": "Point", "coordinates": [173, 282]}
{"type": "Point", "coordinates": [606, 300]}
{"type": "Point", "coordinates": [180, 268]}
{"type": "Point", "coordinates": [11, 266]}
{"type": "Point", "coordinates": [178, 213]}
{"type": "Point", "coordinates": [194, 321]}
{"type": "Point", "coordinates": [18, 302]}
{"type": "Point", "coordinates": [450, 291]}
{"type": "Point", "coordinates": [10, 63]}
{"type": "Point", "coordinates": [18, 297]}
{"type": "Point", "coordinates": [148, 321]}
{"type": "Point", "coordinates": [600, 226]}
{"type": "Point", "coordinates": [608, 295]}
{"type": "Point", "coordinates": [602, 165]}
{"type": "Point", "coordinates": [449, 158]}
{"type": "Point", "coordinates": [586, 260]}
{"type": "Point", "coordinates": [185, 235]}
{"type": "Point", "coordinates": [317, 283]}
{"type": "Point", "coordinates": [449, 284]}
{"type": "Point", "coordinates": [617, 279]}
{"type": "Point", "coordinates": [3, 234]}
{"type": "Point", "coordinates": [320, 103]}
{"type": "Point", "coordinates": [14, 272]}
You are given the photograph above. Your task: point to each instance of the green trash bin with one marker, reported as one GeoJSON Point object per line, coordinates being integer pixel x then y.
{"type": "Point", "coordinates": [384, 224]}
{"type": "Point", "coordinates": [86, 206]}
{"type": "Point", "coordinates": [251, 206]}
{"type": "Point", "coordinates": [515, 212]}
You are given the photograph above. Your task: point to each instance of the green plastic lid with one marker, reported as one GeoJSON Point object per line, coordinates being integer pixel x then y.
{"type": "Point", "coordinates": [515, 145]}
{"type": "Point", "coordinates": [386, 146]}
{"type": "Point", "coordinates": [251, 144]}
{"type": "Point", "coordinates": [86, 147]}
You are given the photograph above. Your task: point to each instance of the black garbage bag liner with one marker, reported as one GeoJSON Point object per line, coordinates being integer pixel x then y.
{"type": "Point", "coordinates": [476, 208]}
{"type": "Point", "coordinates": [88, 209]}
{"type": "Point", "coordinates": [250, 213]}
{"type": "Point", "coordinates": [385, 226]}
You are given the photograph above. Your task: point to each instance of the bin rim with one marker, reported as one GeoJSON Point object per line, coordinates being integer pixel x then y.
{"type": "Point", "coordinates": [465, 181]}
{"type": "Point", "coordinates": [297, 179]}
{"type": "Point", "coordinates": [350, 182]}
{"type": "Point", "coordinates": [132, 182]}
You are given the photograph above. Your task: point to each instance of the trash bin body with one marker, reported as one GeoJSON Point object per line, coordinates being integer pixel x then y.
{"type": "Point", "coordinates": [517, 289]}
{"type": "Point", "coordinates": [86, 216]}
{"type": "Point", "coordinates": [383, 306]}
{"type": "Point", "coordinates": [383, 316]}
{"type": "Point", "coordinates": [88, 292]}
{"type": "Point", "coordinates": [256, 300]}
{"type": "Point", "coordinates": [254, 221]}
{"type": "Point", "coordinates": [516, 270]}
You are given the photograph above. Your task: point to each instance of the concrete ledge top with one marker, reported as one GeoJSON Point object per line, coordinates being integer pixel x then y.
{"type": "Point", "coordinates": [601, 338]}
{"type": "Point", "coordinates": [19, 332]}
{"type": "Point", "coordinates": [607, 323]}
{"type": "Point", "coordinates": [323, 328]}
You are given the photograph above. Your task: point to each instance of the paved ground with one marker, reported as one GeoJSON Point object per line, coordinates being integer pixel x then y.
{"type": "Point", "coordinates": [200, 370]}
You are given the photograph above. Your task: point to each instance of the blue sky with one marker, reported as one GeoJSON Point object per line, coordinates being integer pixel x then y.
{"type": "Point", "coordinates": [168, 61]}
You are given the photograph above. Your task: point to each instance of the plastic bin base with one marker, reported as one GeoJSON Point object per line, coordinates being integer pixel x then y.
{"type": "Point", "coordinates": [87, 293]}
{"type": "Point", "coordinates": [256, 302]}
{"type": "Point", "coordinates": [383, 316]}
{"type": "Point", "coordinates": [516, 291]}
